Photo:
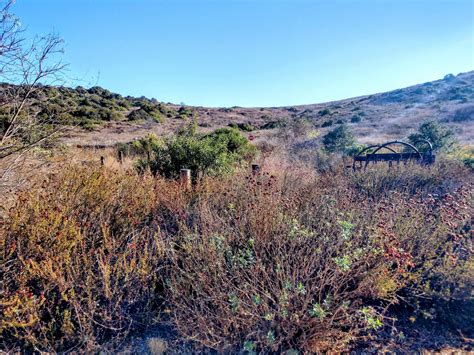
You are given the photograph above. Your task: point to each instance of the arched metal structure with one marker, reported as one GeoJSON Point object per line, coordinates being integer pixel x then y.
{"type": "Point", "coordinates": [365, 150]}
{"type": "Point", "coordinates": [411, 153]}
{"type": "Point", "coordinates": [427, 142]}
{"type": "Point", "coordinates": [428, 157]}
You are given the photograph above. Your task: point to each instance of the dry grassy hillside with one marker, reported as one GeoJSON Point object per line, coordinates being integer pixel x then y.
{"type": "Point", "coordinates": [373, 118]}
{"type": "Point", "coordinates": [130, 225]}
{"type": "Point", "coordinates": [107, 251]}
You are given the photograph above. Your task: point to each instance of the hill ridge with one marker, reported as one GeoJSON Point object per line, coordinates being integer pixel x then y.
{"type": "Point", "coordinates": [97, 116]}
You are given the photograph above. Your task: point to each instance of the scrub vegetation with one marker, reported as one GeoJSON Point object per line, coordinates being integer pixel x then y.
{"type": "Point", "coordinates": [288, 260]}
{"type": "Point", "coordinates": [296, 255]}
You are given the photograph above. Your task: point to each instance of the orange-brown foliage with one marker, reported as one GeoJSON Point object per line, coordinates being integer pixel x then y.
{"type": "Point", "coordinates": [284, 260]}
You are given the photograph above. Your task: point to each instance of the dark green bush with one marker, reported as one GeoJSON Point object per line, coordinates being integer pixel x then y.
{"type": "Point", "coordinates": [339, 140]}
{"type": "Point", "coordinates": [273, 125]}
{"type": "Point", "coordinates": [94, 106]}
{"type": "Point", "coordinates": [210, 154]}
{"type": "Point", "coordinates": [442, 138]}
{"type": "Point", "coordinates": [356, 118]}
{"type": "Point", "coordinates": [139, 115]}
{"type": "Point", "coordinates": [184, 112]}
{"type": "Point", "coordinates": [324, 112]}
{"type": "Point", "coordinates": [99, 91]}
{"type": "Point", "coordinates": [247, 127]}
{"type": "Point", "coordinates": [243, 126]}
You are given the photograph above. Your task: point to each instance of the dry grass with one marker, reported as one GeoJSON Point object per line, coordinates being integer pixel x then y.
{"type": "Point", "coordinates": [385, 116]}
{"type": "Point", "coordinates": [289, 259]}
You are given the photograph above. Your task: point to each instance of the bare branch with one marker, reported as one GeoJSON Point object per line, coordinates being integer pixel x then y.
{"type": "Point", "coordinates": [24, 70]}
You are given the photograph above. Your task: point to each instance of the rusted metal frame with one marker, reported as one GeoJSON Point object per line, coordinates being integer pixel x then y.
{"type": "Point", "coordinates": [394, 156]}
{"type": "Point", "coordinates": [364, 150]}
{"type": "Point", "coordinates": [387, 157]}
{"type": "Point", "coordinates": [397, 157]}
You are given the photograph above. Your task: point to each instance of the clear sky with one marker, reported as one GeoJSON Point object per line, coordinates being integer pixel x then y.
{"type": "Point", "coordinates": [256, 52]}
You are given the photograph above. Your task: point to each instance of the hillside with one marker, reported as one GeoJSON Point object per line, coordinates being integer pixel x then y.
{"type": "Point", "coordinates": [101, 255]}
{"type": "Point", "coordinates": [100, 117]}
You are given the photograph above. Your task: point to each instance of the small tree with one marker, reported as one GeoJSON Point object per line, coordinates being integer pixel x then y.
{"type": "Point", "coordinates": [210, 154]}
{"type": "Point", "coordinates": [27, 66]}
{"type": "Point", "coordinates": [442, 138]}
{"type": "Point", "coordinates": [339, 140]}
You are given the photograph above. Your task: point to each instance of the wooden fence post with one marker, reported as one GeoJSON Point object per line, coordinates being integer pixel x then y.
{"type": "Point", "coordinates": [102, 160]}
{"type": "Point", "coordinates": [255, 169]}
{"type": "Point", "coordinates": [185, 177]}
{"type": "Point", "coordinates": [120, 156]}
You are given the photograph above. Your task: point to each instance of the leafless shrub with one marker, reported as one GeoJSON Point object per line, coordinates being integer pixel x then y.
{"type": "Point", "coordinates": [27, 66]}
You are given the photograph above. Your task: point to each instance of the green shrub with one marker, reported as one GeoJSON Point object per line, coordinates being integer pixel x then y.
{"type": "Point", "coordinates": [327, 123]}
{"type": "Point", "coordinates": [166, 111]}
{"type": "Point", "coordinates": [442, 138]}
{"type": "Point", "coordinates": [464, 154]}
{"type": "Point", "coordinates": [273, 125]}
{"type": "Point", "coordinates": [324, 112]}
{"type": "Point", "coordinates": [339, 140]}
{"type": "Point", "coordinates": [110, 115]}
{"type": "Point", "coordinates": [80, 106]}
{"type": "Point", "coordinates": [142, 147]}
{"type": "Point", "coordinates": [244, 126]}
{"type": "Point", "coordinates": [149, 112]}
{"type": "Point", "coordinates": [184, 112]}
{"type": "Point", "coordinates": [137, 115]}
{"type": "Point", "coordinates": [247, 127]}
{"type": "Point", "coordinates": [89, 125]}
{"type": "Point", "coordinates": [143, 114]}
{"type": "Point", "coordinates": [99, 91]}
{"type": "Point", "coordinates": [210, 154]}
{"type": "Point", "coordinates": [356, 118]}
{"type": "Point", "coordinates": [145, 146]}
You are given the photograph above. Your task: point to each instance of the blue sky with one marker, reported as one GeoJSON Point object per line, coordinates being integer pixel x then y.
{"type": "Point", "coordinates": [256, 52]}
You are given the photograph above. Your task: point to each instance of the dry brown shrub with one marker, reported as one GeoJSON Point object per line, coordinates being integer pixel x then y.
{"type": "Point", "coordinates": [279, 263]}
{"type": "Point", "coordinates": [79, 260]}
{"type": "Point", "coordinates": [283, 260]}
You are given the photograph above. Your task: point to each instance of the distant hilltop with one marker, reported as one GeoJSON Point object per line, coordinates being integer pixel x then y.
{"type": "Point", "coordinates": [372, 117]}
